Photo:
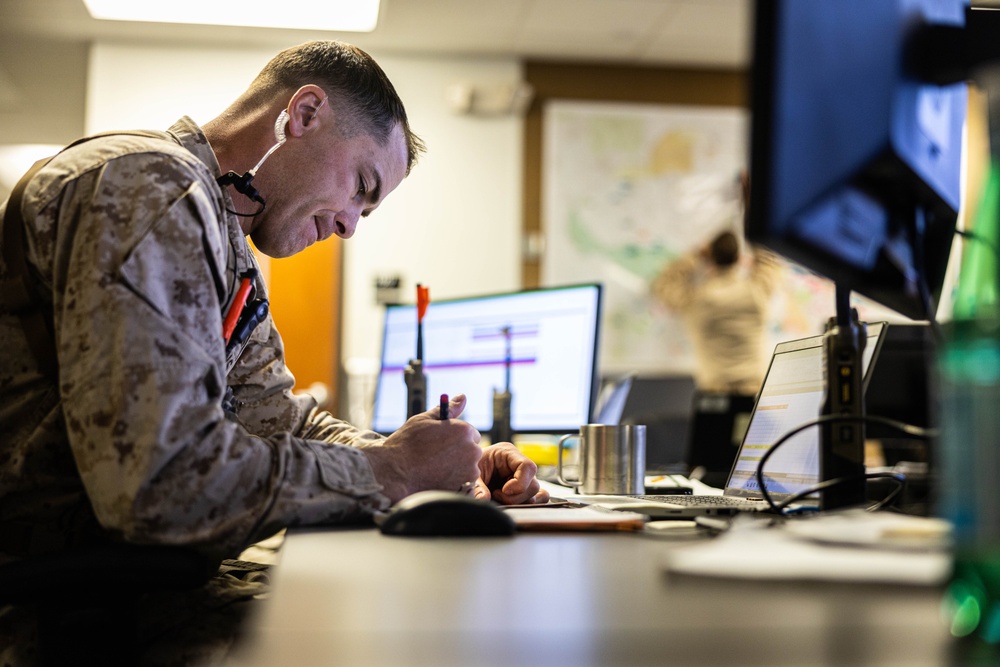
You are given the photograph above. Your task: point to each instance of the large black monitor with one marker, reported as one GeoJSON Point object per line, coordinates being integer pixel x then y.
{"type": "Point", "coordinates": [901, 382]}
{"type": "Point", "coordinates": [855, 160]}
{"type": "Point", "coordinates": [553, 344]}
{"type": "Point", "coordinates": [855, 173]}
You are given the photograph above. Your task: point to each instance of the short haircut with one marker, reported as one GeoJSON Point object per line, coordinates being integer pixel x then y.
{"type": "Point", "coordinates": [725, 249]}
{"type": "Point", "coordinates": [353, 81]}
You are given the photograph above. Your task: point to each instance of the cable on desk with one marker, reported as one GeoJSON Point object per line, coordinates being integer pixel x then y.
{"type": "Point", "coordinates": [908, 429]}
{"type": "Point", "coordinates": [826, 484]}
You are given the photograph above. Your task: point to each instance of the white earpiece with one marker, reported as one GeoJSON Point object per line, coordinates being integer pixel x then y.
{"type": "Point", "coordinates": [242, 183]}
{"type": "Point", "coordinates": [279, 126]}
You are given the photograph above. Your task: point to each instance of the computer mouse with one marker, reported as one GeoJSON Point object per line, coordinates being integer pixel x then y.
{"type": "Point", "coordinates": [445, 513]}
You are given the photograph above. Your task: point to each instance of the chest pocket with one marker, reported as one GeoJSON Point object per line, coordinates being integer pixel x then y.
{"type": "Point", "coordinates": [253, 314]}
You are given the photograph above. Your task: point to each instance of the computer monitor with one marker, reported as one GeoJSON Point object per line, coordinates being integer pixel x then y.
{"type": "Point", "coordinates": [855, 173]}
{"type": "Point", "coordinates": [855, 160]}
{"type": "Point", "coordinates": [553, 369]}
{"type": "Point", "coordinates": [901, 382]}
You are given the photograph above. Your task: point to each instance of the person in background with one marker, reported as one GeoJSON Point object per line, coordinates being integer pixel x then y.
{"type": "Point", "coordinates": [724, 305]}
{"type": "Point", "coordinates": [131, 410]}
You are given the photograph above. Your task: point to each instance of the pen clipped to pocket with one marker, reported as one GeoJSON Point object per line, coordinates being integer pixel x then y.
{"type": "Point", "coordinates": [253, 314]}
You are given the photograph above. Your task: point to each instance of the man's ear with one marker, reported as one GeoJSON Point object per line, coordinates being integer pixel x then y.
{"type": "Point", "coordinates": [304, 109]}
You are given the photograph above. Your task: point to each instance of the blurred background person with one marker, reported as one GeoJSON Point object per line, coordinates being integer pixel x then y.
{"type": "Point", "coordinates": [724, 299]}
{"type": "Point", "coordinates": [725, 306]}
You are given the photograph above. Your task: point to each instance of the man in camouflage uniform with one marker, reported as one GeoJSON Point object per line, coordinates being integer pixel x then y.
{"type": "Point", "coordinates": [150, 433]}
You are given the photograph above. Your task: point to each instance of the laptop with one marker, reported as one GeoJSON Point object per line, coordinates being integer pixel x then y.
{"type": "Point", "coordinates": [791, 395]}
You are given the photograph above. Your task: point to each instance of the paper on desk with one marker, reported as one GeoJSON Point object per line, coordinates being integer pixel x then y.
{"type": "Point", "coordinates": [654, 484]}
{"type": "Point", "coordinates": [574, 518]}
{"type": "Point", "coordinates": [857, 527]}
{"type": "Point", "coordinates": [662, 483]}
{"type": "Point", "coordinates": [775, 553]}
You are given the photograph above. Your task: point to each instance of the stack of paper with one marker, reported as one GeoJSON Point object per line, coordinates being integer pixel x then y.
{"type": "Point", "coordinates": [575, 518]}
{"type": "Point", "coordinates": [850, 546]}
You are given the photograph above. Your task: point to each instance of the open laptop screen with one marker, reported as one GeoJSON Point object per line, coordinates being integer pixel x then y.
{"type": "Point", "coordinates": [553, 345]}
{"type": "Point", "coordinates": [791, 395]}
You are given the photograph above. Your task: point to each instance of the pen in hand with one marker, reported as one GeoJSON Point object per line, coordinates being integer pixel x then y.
{"type": "Point", "coordinates": [468, 487]}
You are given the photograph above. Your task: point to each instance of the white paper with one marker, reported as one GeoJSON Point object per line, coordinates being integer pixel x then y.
{"type": "Point", "coordinates": [757, 551]}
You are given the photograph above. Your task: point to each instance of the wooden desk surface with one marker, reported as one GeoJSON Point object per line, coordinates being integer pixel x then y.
{"type": "Point", "coordinates": [356, 597]}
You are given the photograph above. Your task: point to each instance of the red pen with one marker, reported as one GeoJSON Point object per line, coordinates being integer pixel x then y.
{"type": "Point", "coordinates": [443, 411]}
{"type": "Point", "coordinates": [233, 316]}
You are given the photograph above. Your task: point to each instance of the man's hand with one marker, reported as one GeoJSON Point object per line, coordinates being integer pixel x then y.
{"type": "Point", "coordinates": [428, 453]}
{"type": "Point", "coordinates": [508, 477]}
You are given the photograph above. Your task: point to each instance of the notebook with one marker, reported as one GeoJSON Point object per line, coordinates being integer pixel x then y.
{"type": "Point", "coordinates": [791, 394]}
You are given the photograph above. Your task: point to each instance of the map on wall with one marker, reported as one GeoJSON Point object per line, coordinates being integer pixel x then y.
{"type": "Point", "coordinates": [630, 187]}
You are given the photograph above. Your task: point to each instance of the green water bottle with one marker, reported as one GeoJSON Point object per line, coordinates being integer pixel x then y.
{"type": "Point", "coordinates": [968, 450]}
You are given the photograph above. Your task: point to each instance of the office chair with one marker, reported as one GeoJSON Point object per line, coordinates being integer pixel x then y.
{"type": "Point", "coordinates": [86, 600]}
{"type": "Point", "coordinates": [718, 424]}
{"type": "Point", "coordinates": [663, 404]}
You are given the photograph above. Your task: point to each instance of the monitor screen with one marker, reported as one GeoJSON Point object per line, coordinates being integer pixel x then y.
{"type": "Point", "coordinates": [855, 162]}
{"type": "Point", "coordinates": [553, 357]}
{"type": "Point", "coordinates": [901, 383]}
{"type": "Point", "coordinates": [791, 395]}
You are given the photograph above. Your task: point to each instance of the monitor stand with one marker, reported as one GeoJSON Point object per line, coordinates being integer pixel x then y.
{"type": "Point", "coordinates": [842, 440]}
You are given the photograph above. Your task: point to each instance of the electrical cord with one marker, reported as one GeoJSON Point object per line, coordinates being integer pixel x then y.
{"type": "Point", "coordinates": [923, 289]}
{"type": "Point", "coordinates": [920, 267]}
{"type": "Point", "coordinates": [978, 238]}
{"type": "Point", "coordinates": [895, 476]}
{"type": "Point", "coordinates": [972, 236]}
{"type": "Point", "coordinates": [908, 429]}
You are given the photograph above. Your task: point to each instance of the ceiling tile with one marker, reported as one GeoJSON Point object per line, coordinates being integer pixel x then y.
{"type": "Point", "coordinates": [651, 31]}
{"type": "Point", "coordinates": [711, 32]}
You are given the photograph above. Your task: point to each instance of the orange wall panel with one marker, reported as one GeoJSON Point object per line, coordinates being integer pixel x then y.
{"type": "Point", "coordinates": [305, 303]}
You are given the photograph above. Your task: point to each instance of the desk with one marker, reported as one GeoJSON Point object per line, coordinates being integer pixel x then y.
{"type": "Point", "coordinates": [356, 597]}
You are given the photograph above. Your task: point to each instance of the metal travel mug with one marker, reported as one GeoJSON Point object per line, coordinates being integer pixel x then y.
{"type": "Point", "coordinates": [612, 459]}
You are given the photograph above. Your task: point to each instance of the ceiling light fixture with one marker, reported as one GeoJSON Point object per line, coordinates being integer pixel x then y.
{"type": "Point", "coordinates": [335, 15]}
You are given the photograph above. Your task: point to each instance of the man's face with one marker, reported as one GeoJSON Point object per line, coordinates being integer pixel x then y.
{"type": "Point", "coordinates": [321, 184]}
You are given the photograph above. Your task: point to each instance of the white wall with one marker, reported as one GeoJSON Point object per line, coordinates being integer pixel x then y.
{"type": "Point", "coordinates": [453, 225]}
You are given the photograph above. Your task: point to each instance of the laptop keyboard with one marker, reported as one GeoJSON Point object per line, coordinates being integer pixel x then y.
{"type": "Point", "coordinates": [722, 501]}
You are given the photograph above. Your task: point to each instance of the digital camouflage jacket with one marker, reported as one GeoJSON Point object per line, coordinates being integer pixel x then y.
{"type": "Point", "coordinates": [136, 260]}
